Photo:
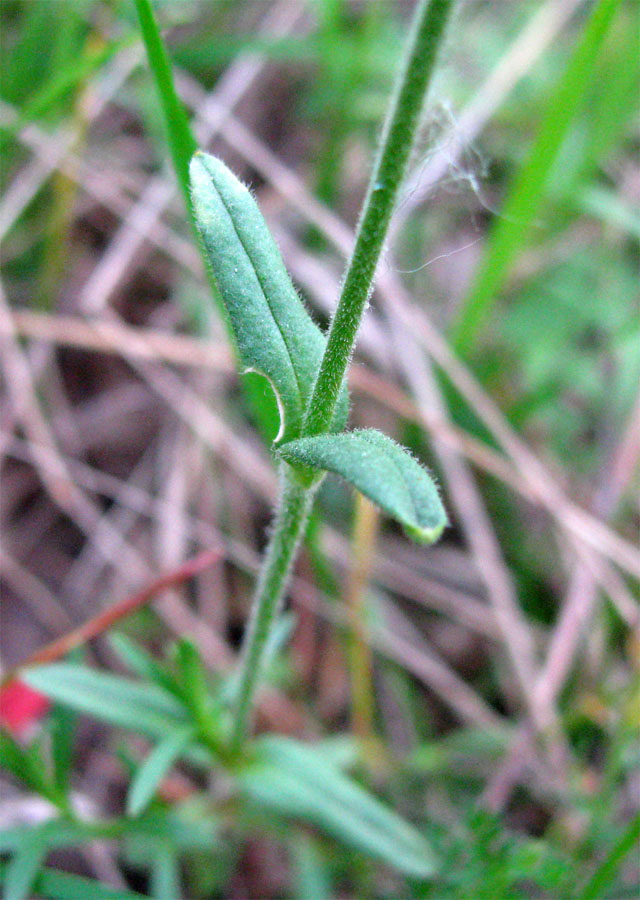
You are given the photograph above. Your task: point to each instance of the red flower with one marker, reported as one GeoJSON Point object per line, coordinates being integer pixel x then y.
{"type": "Point", "coordinates": [21, 706]}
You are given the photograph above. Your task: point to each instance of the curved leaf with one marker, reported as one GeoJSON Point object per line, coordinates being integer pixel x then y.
{"type": "Point", "coordinates": [380, 469]}
{"type": "Point", "coordinates": [275, 335]}
{"type": "Point", "coordinates": [295, 780]}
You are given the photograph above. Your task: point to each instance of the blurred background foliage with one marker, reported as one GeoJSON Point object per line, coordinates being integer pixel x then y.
{"type": "Point", "coordinates": [555, 349]}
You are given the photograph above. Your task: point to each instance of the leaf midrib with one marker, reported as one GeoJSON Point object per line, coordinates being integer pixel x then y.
{"type": "Point", "coordinates": [264, 293]}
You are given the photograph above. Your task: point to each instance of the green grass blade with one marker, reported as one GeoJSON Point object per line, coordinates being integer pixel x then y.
{"type": "Point", "coordinates": [181, 140]}
{"type": "Point", "coordinates": [607, 869]}
{"type": "Point", "coordinates": [526, 197]}
{"type": "Point", "coordinates": [57, 87]}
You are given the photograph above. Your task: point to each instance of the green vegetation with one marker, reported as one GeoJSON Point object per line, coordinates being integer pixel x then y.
{"type": "Point", "coordinates": [445, 717]}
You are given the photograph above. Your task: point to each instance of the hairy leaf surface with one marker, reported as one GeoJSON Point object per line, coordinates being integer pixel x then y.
{"type": "Point", "coordinates": [274, 334]}
{"type": "Point", "coordinates": [380, 469]}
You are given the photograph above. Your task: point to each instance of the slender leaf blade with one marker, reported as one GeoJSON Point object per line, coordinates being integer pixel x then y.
{"type": "Point", "coordinates": [181, 140]}
{"type": "Point", "coordinates": [155, 767]}
{"type": "Point", "coordinates": [607, 869]}
{"type": "Point", "coordinates": [525, 198]}
{"type": "Point", "coordinates": [165, 874]}
{"type": "Point", "coordinates": [380, 469]}
{"type": "Point", "coordinates": [274, 334]}
{"type": "Point", "coordinates": [15, 759]}
{"type": "Point", "coordinates": [144, 708]}
{"type": "Point", "coordinates": [295, 780]}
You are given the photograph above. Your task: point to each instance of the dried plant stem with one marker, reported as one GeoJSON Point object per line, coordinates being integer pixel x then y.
{"type": "Point", "coordinates": [365, 530]}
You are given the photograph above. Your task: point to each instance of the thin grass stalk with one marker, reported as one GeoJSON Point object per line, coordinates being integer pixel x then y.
{"type": "Point", "coordinates": [182, 143]}
{"type": "Point", "coordinates": [365, 532]}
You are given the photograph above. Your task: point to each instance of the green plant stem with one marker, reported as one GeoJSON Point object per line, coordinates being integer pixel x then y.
{"type": "Point", "coordinates": [397, 140]}
{"type": "Point", "coordinates": [297, 494]}
{"type": "Point", "coordinates": [291, 518]}
{"type": "Point", "coordinates": [181, 140]}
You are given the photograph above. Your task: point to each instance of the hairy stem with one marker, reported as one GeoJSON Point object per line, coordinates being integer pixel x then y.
{"type": "Point", "coordinates": [397, 140]}
{"type": "Point", "coordinates": [288, 527]}
{"type": "Point", "coordinates": [295, 499]}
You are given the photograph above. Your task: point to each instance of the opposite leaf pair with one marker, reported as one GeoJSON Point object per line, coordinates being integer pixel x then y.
{"type": "Point", "coordinates": [276, 337]}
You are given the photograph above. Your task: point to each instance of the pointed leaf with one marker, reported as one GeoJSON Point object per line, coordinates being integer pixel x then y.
{"type": "Point", "coordinates": [144, 708]}
{"type": "Point", "coordinates": [295, 780]}
{"type": "Point", "coordinates": [155, 767]}
{"type": "Point", "coordinates": [274, 333]}
{"type": "Point", "coordinates": [380, 469]}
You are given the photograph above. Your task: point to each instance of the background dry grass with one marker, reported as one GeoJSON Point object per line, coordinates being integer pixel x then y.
{"type": "Point", "coordinates": [127, 447]}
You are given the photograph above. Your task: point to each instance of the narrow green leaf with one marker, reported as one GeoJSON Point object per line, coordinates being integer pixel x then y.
{"type": "Point", "coordinates": [311, 872]}
{"type": "Point", "coordinates": [54, 885]}
{"type": "Point", "coordinates": [193, 678]}
{"type": "Point", "coordinates": [274, 334]}
{"type": "Point", "coordinates": [155, 767]}
{"type": "Point", "coordinates": [523, 203]}
{"type": "Point", "coordinates": [295, 780]}
{"type": "Point", "coordinates": [60, 83]}
{"type": "Point", "coordinates": [165, 874]}
{"type": "Point", "coordinates": [144, 708]}
{"type": "Point", "coordinates": [181, 141]}
{"type": "Point", "coordinates": [143, 664]}
{"type": "Point", "coordinates": [14, 759]}
{"type": "Point", "coordinates": [607, 869]}
{"type": "Point", "coordinates": [62, 729]}
{"type": "Point", "coordinates": [21, 872]}
{"type": "Point", "coordinates": [382, 470]}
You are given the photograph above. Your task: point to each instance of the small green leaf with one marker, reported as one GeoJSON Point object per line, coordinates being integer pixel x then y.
{"type": "Point", "coordinates": [274, 334]}
{"type": "Point", "coordinates": [382, 470]}
{"type": "Point", "coordinates": [143, 664]}
{"type": "Point", "coordinates": [155, 767]}
{"type": "Point", "coordinates": [16, 760]}
{"type": "Point", "coordinates": [295, 780]}
{"type": "Point", "coordinates": [144, 708]}
{"type": "Point", "coordinates": [193, 678]}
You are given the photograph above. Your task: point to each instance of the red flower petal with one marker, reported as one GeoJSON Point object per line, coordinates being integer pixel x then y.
{"type": "Point", "coordinates": [21, 706]}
